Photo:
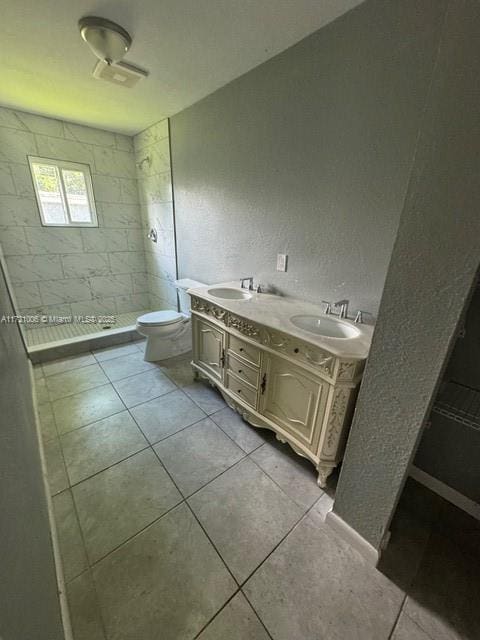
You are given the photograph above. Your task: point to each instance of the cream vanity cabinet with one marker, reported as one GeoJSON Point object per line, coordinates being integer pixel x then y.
{"type": "Point", "coordinates": [209, 348]}
{"type": "Point", "coordinates": [293, 399]}
{"type": "Point", "coordinates": [277, 381]}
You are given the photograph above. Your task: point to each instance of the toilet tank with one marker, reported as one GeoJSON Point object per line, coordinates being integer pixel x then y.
{"type": "Point", "coordinates": [183, 297]}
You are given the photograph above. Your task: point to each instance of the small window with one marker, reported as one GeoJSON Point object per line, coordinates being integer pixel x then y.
{"type": "Point", "coordinates": [64, 193]}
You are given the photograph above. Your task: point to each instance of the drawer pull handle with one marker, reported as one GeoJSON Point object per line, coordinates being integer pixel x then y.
{"type": "Point", "coordinates": [264, 383]}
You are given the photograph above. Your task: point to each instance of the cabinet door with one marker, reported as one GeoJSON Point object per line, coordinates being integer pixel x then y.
{"type": "Point", "coordinates": [291, 398]}
{"type": "Point", "coordinates": [208, 348]}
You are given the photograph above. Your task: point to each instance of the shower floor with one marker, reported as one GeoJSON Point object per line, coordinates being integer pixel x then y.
{"type": "Point", "coordinates": [47, 342]}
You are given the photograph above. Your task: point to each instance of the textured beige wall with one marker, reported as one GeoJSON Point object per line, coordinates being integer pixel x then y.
{"type": "Point", "coordinates": [433, 266]}
{"type": "Point", "coordinates": [308, 154]}
{"type": "Point", "coordinates": [29, 606]}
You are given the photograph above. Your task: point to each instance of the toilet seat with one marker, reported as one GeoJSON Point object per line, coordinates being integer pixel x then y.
{"type": "Point", "coordinates": [159, 318]}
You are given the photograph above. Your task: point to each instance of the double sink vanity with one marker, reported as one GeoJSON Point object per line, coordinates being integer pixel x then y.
{"type": "Point", "coordinates": [283, 365]}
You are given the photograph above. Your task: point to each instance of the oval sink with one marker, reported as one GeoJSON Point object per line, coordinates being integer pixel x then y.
{"type": "Point", "coordinates": [229, 294]}
{"type": "Point", "coordinates": [325, 326]}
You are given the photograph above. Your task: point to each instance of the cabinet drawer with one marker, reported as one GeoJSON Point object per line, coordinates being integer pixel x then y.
{"type": "Point", "coordinates": [243, 371]}
{"type": "Point", "coordinates": [244, 350]}
{"type": "Point", "coordinates": [242, 390]}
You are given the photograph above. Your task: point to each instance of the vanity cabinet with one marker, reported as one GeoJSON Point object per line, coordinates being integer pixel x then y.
{"type": "Point", "coordinates": [292, 399]}
{"type": "Point", "coordinates": [278, 381]}
{"type": "Point", "coordinates": [208, 348]}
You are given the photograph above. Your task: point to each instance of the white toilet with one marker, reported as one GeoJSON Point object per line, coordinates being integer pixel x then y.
{"type": "Point", "coordinates": [169, 332]}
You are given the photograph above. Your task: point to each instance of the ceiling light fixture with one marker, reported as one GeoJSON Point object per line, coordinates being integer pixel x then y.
{"type": "Point", "coordinates": [108, 40]}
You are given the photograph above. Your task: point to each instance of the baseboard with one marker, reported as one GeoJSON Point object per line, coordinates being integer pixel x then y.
{"type": "Point", "coordinates": [355, 540]}
{"type": "Point", "coordinates": [445, 491]}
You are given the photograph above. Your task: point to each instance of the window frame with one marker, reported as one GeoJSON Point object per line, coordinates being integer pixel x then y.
{"type": "Point", "coordinates": [65, 164]}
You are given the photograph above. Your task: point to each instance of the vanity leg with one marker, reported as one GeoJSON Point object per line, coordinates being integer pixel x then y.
{"type": "Point", "coordinates": [323, 473]}
{"type": "Point", "coordinates": [196, 375]}
{"type": "Point", "coordinates": [280, 438]}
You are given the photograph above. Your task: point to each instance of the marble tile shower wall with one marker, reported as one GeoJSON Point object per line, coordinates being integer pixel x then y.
{"type": "Point", "coordinates": [152, 155]}
{"type": "Point", "coordinates": [58, 271]}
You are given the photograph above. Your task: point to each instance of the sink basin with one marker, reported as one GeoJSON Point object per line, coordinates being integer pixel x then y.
{"type": "Point", "coordinates": [229, 294]}
{"type": "Point", "coordinates": [325, 326]}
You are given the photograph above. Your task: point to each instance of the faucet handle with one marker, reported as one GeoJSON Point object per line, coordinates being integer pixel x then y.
{"type": "Point", "coordinates": [359, 316]}
{"type": "Point", "coordinates": [328, 308]}
{"type": "Point", "coordinates": [250, 283]}
{"type": "Point", "coordinates": [343, 306]}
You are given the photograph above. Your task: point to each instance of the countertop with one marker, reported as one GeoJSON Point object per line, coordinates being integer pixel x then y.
{"type": "Point", "coordinates": [275, 312]}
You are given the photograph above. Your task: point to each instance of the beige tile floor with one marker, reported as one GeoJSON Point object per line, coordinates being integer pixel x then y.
{"type": "Point", "coordinates": [177, 520]}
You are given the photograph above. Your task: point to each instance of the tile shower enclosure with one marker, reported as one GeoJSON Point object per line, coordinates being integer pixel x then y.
{"type": "Point", "coordinates": [108, 270]}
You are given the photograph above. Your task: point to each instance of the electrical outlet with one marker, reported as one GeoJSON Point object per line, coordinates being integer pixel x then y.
{"type": "Point", "coordinates": [282, 261]}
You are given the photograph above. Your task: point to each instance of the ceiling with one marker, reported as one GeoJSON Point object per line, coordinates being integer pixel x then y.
{"type": "Point", "coordinates": [190, 47]}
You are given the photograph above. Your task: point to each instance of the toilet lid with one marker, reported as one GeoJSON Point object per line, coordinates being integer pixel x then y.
{"type": "Point", "coordinates": [157, 318]}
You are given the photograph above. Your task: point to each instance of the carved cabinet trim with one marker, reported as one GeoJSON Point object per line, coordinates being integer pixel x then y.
{"type": "Point", "coordinates": [319, 432]}
{"type": "Point", "coordinates": [299, 350]}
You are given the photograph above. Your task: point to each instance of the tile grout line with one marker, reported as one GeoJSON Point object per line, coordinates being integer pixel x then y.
{"type": "Point", "coordinates": [183, 501]}
{"type": "Point", "coordinates": [69, 395]}
{"type": "Point", "coordinates": [83, 354]}
{"type": "Point", "coordinates": [87, 557]}
{"type": "Point", "coordinates": [89, 563]}
{"type": "Point", "coordinates": [134, 535]}
{"type": "Point", "coordinates": [79, 392]}
{"type": "Point", "coordinates": [154, 444]}
{"type": "Point", "coordinates": [407, 595]}
{"type": "Point", "coordinates": [138, 404]}
{"type": "Point", "coordinates": [300, 506]}
{"type": "Point", "coordinates": [397, 618]}
{"type": "Point", "coordinates": [132, 375]}
{"type": "Point", "coordinates": [110, 466]}
{"type": "Point", "coordinates": [186, 498]}
{"type": "Point", "coordinates": [213, 546]}
{"type": "Point", "coordinates": [80, 529]}
{"type": "Point", "coordinates": [242, 459]}
{"type": "Point", "coordinates": [247, 453]}
{"type": "Point", "coordinates": [256, 613]}
{"type": "Point", "coordinates": [89, 567]}
{"type": "Point", "coordinates": [148, 445]}
{"type": "Point", "coordinates": [294, 526]}
{"type": "Point", "coordinates": [237, 591]}
{"type": "Point", "coordinates": [89, 424]}
{"type": "Point", "coordinates": [59, 373]}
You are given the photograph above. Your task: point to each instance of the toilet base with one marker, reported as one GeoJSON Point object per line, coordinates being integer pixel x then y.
{"type": "Point", "coordinates": [163, 347]}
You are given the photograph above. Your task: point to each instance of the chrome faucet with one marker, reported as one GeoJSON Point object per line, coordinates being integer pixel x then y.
{"type": "Point", "coordinates": [250, 283]}
{"type": "Point", "coordinates": [359, 316]}
{"type": "Point", "coordinates": [343, 305]}
{"type": "Point", "coordinates": [328, 308]}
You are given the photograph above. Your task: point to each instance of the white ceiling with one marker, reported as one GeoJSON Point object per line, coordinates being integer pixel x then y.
{"type": "Point", "coordinates": [190, 47]}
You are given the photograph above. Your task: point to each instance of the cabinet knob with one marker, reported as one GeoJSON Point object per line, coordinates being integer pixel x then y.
{"type": "Point", "coordinates": [241, 349]}
{"type": "Point", "coordinates": [240, 370]}
{"type": "Point", "coordinates": [296, 350]}
{"type": "Point", "coordinates": [239, 391]}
